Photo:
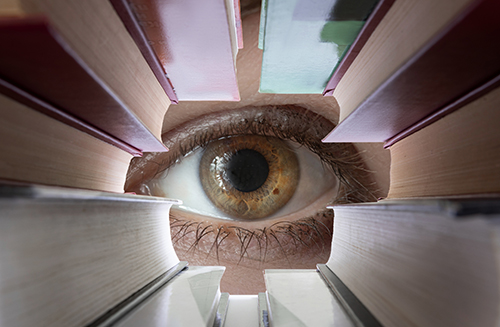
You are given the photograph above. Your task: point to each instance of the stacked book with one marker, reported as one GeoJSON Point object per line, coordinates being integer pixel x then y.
{"type": "Point", "coordinates": [305, 45]}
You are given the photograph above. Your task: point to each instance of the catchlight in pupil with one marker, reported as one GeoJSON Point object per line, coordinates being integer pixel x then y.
{"type": "Point", "coordinates": [249, 176]}
{"type": "Point", "coordinates": [247, 170]}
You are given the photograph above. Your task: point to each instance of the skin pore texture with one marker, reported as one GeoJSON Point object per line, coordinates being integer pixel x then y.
{"type": "Point", "coordinates": [299, 240]}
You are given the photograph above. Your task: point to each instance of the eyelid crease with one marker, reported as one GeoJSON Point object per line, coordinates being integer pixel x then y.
{"type": "Point", "coordinates": [287, 122]}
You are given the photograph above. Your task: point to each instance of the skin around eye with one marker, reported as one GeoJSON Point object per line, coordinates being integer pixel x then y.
{"type": "Point", "coordinates": [298, 239]}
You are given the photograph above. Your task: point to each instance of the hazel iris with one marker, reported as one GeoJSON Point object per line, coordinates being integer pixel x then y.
{"type": "Point", "coordinates": [249, 176]}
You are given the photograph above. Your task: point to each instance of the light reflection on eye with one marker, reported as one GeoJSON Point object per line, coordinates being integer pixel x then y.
{"type": "Point", "coordinates": [183, 180]}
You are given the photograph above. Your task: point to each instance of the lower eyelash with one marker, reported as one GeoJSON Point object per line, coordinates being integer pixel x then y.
{"type": "Point", "coordinates": [306, 232]}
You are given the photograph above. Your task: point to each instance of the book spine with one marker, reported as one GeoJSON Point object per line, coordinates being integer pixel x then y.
{"type": "Point", "coordinates": [55, 75]}
{"type": "Point", "coordinates": [124, 11]}
{"type": "Point", "coordinates": [459, 59]}
{"type": "Point", "coordinates": [372, 22]}
{"type": "Point", "coordinates": [239, 24]}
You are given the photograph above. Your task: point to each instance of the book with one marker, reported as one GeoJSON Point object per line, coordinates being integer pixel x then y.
{"type": "Point", "coordinates": [68, 256]}
{"type": "Point", "coordinates": [56, 76]}
{"type": "Point", "coordinates": [405, 73]}
{"type": "Point", "coordinates": [191, 298]}
{"type": "Point", "coordinates": [39, 149]}
{"type": "Point", "coordinates": [200, 61]}
{"type": "Point", "coordinates": [304, 43]}
{"type": "Point", "coordinates": [95, 33]}
{"type": "Point", "coordinates": [371, 23]}
{"type": "Point", "coordinates": [421, 262]}
{"type": "Point", "coordinates": [124, 10]}
{"type": "Point", "coordinates": [241, 311]}
{"type": "Point", "coordinates": [455, 156]}
{"type": "Point", "coordinates": [300, 297]}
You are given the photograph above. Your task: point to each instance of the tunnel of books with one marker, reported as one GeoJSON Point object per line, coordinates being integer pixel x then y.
{"type": "Point", "coordinates": [249, 163]}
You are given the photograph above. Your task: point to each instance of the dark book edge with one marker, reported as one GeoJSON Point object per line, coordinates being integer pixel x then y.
{"type": "Point", "coordinates": [431, 80]}
{"type": "Point", "coordinates": [371, 24]}
{"type": "Point", "coordinates": [354, 308]}
{"type": "Point", "coordinates": [43, 192]}
{"type": "Point", "coordinates": [43, 107]}
{"type": "Point", "coordinates": [458, 207]}
{"type": "Point", "coordinates": [466, 99]}
{"type": "Point", "coordinates": [239, 23]}
{"type": "Point", "coordinates": [57, 76]}
{"type": "Point", "coordinates": [122, 8]}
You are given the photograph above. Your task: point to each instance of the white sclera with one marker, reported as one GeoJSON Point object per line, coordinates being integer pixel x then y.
{"type": "Point", "coordinates": [182, 181]}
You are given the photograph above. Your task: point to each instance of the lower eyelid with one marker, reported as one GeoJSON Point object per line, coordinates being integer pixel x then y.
{"type": "Point", "coordinates": [282, 242]}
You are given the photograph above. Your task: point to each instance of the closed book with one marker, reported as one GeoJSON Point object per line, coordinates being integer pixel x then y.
{"type": "Point", "coordinates": [455, 156]}
{"type": "Point", "coordinates": [68, 256]}
{"type": "Point", "coordinates": [56, 76]}
{"type": "Point", "coordinates": [421, 262]}
{"type": "Point", "coordinates": [193, 44]}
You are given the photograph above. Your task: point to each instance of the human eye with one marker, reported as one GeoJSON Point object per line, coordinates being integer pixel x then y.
{"type": "Point", "coordinates": [246, 178]}
{"type": "Point", "coordinates": [274, 219]}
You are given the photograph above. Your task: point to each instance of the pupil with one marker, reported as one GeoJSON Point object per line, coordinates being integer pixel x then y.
{"type": "Point", "coordinates": [247, 170]}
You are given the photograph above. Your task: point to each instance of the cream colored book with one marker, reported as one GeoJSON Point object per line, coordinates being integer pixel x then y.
{"type": "Point", "coordinates": [421, 263]}
{"type": "Point", "coordinates": [68, 256]}
{"type": "Point", "coordinates": [301, 297]}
